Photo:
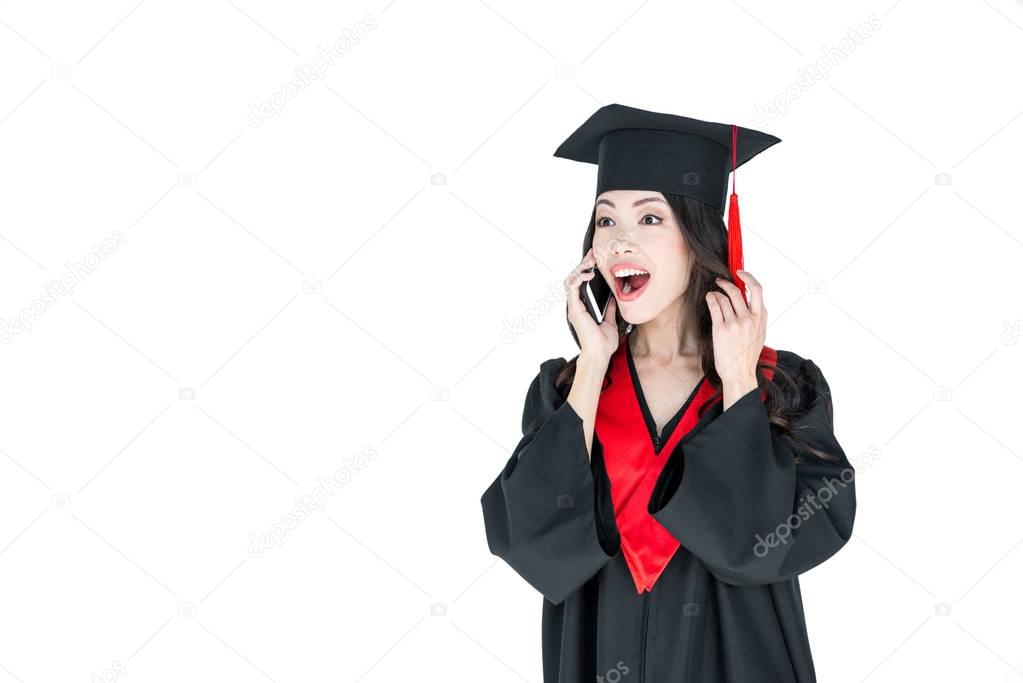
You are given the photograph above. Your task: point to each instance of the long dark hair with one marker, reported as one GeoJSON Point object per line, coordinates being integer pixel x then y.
{"type": "Point", "coordinates": [706, 237]}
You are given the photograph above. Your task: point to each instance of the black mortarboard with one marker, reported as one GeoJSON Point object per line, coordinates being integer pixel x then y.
{"type": "Point", "coordinates": [635, 149]}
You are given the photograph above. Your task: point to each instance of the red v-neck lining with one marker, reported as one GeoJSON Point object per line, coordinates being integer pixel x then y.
{"type": "Point", "coordinates": [633, 466]}
{"type": "Point", "coordinates": [658, 440]}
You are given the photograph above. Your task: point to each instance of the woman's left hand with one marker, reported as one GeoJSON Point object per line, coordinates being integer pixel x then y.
{"type": "Point", "coordinates": [738, 334]}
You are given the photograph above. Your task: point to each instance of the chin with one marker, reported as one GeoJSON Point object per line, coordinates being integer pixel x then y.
{"type": "Point", "coordinates": [636, 312]}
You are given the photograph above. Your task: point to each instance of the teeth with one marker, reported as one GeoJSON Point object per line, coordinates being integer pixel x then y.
{"type": "Point", "coordinates": [625, 272]}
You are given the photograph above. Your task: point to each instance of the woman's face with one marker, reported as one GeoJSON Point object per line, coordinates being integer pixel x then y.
{"type": "Point", "coordinates": [636, 230]}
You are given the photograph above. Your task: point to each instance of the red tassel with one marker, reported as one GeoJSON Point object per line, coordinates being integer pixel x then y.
{"type": "Point", "coordinates": [734, 227]}
{"type": "Point", "coordinates": [735, 243]}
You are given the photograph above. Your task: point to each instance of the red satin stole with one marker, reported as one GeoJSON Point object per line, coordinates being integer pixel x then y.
{"type": "Point", "coordinates": [633, 466]}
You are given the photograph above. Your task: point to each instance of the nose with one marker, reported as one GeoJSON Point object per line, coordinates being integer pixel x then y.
{"type": "Point", "coordinates": [621, 243]}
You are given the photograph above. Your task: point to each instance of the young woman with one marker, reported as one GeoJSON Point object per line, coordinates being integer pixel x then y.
{"type": "Point", "coordinates": [674, 478]}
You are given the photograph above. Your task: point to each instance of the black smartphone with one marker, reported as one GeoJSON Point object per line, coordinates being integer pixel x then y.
{"type": "Point", "coordinates": [596, 294]}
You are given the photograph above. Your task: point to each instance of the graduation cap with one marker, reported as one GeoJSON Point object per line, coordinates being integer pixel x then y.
{"type": "Point", "coordinates": [635, 149]}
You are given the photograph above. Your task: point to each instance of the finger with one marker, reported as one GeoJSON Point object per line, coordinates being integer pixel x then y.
{"type": "Point", "coordinates": [715, 309]}
{"type": "Point", "coordinates": [574, 303]}
{"type": "Point", "coordinates": [740, 309]}
{"type": "Point", "coordinates": [587, 262]}
{"type": "Point", "coordinates": [727, 313]}
{"type": "Point", "coordinates": [575, 280]}
{"type": "Point", "coordinates": [579, 278]}
{"type": "Point", "coordinates": [756, 293]}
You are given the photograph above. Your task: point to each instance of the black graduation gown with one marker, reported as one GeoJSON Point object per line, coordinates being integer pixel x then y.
{"type": "Point", "coordinates": [727, 607]}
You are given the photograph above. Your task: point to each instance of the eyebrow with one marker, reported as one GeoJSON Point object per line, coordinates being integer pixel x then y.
{"type": "Point", "coordinates": [635, 203]}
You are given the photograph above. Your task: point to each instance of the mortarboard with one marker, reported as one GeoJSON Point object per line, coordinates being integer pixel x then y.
{"type": "Point", "coordinates": [635, 149]}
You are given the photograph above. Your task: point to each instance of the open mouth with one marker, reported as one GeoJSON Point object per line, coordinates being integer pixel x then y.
{"type": "Point", "coordinates": [630, 282]}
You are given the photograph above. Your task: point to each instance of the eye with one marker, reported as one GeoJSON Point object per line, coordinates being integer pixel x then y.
{"type": "Point", "coordinates": [650, 215]}
{"type": "Point", "coordinates": [600, 222]}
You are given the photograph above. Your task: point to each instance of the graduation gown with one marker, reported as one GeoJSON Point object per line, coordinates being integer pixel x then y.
{"type": "Point", "coordinates": [726, 607]}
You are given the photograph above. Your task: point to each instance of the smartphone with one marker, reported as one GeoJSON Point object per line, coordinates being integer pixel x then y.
{"type": "Point", "coordinates": [596, 294]}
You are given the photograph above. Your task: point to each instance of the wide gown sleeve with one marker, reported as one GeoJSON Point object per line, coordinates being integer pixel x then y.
{"type": "Point", "coordinates": [734, 497]}
{"type": "Point", "coordinates": [549, 514]}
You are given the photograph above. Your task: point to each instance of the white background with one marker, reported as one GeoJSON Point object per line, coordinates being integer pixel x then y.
{"type": "Point", "coordinates": [326, 292]}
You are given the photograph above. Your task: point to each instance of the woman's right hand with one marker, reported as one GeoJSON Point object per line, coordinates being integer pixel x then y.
{"type": "Point", "coordinates": [596, 341]}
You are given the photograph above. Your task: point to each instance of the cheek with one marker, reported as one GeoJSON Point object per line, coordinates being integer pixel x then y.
{"type": "Point", "coordinates": [601, 244]}
{"type": "Point", "coordinates": [675, 272]}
